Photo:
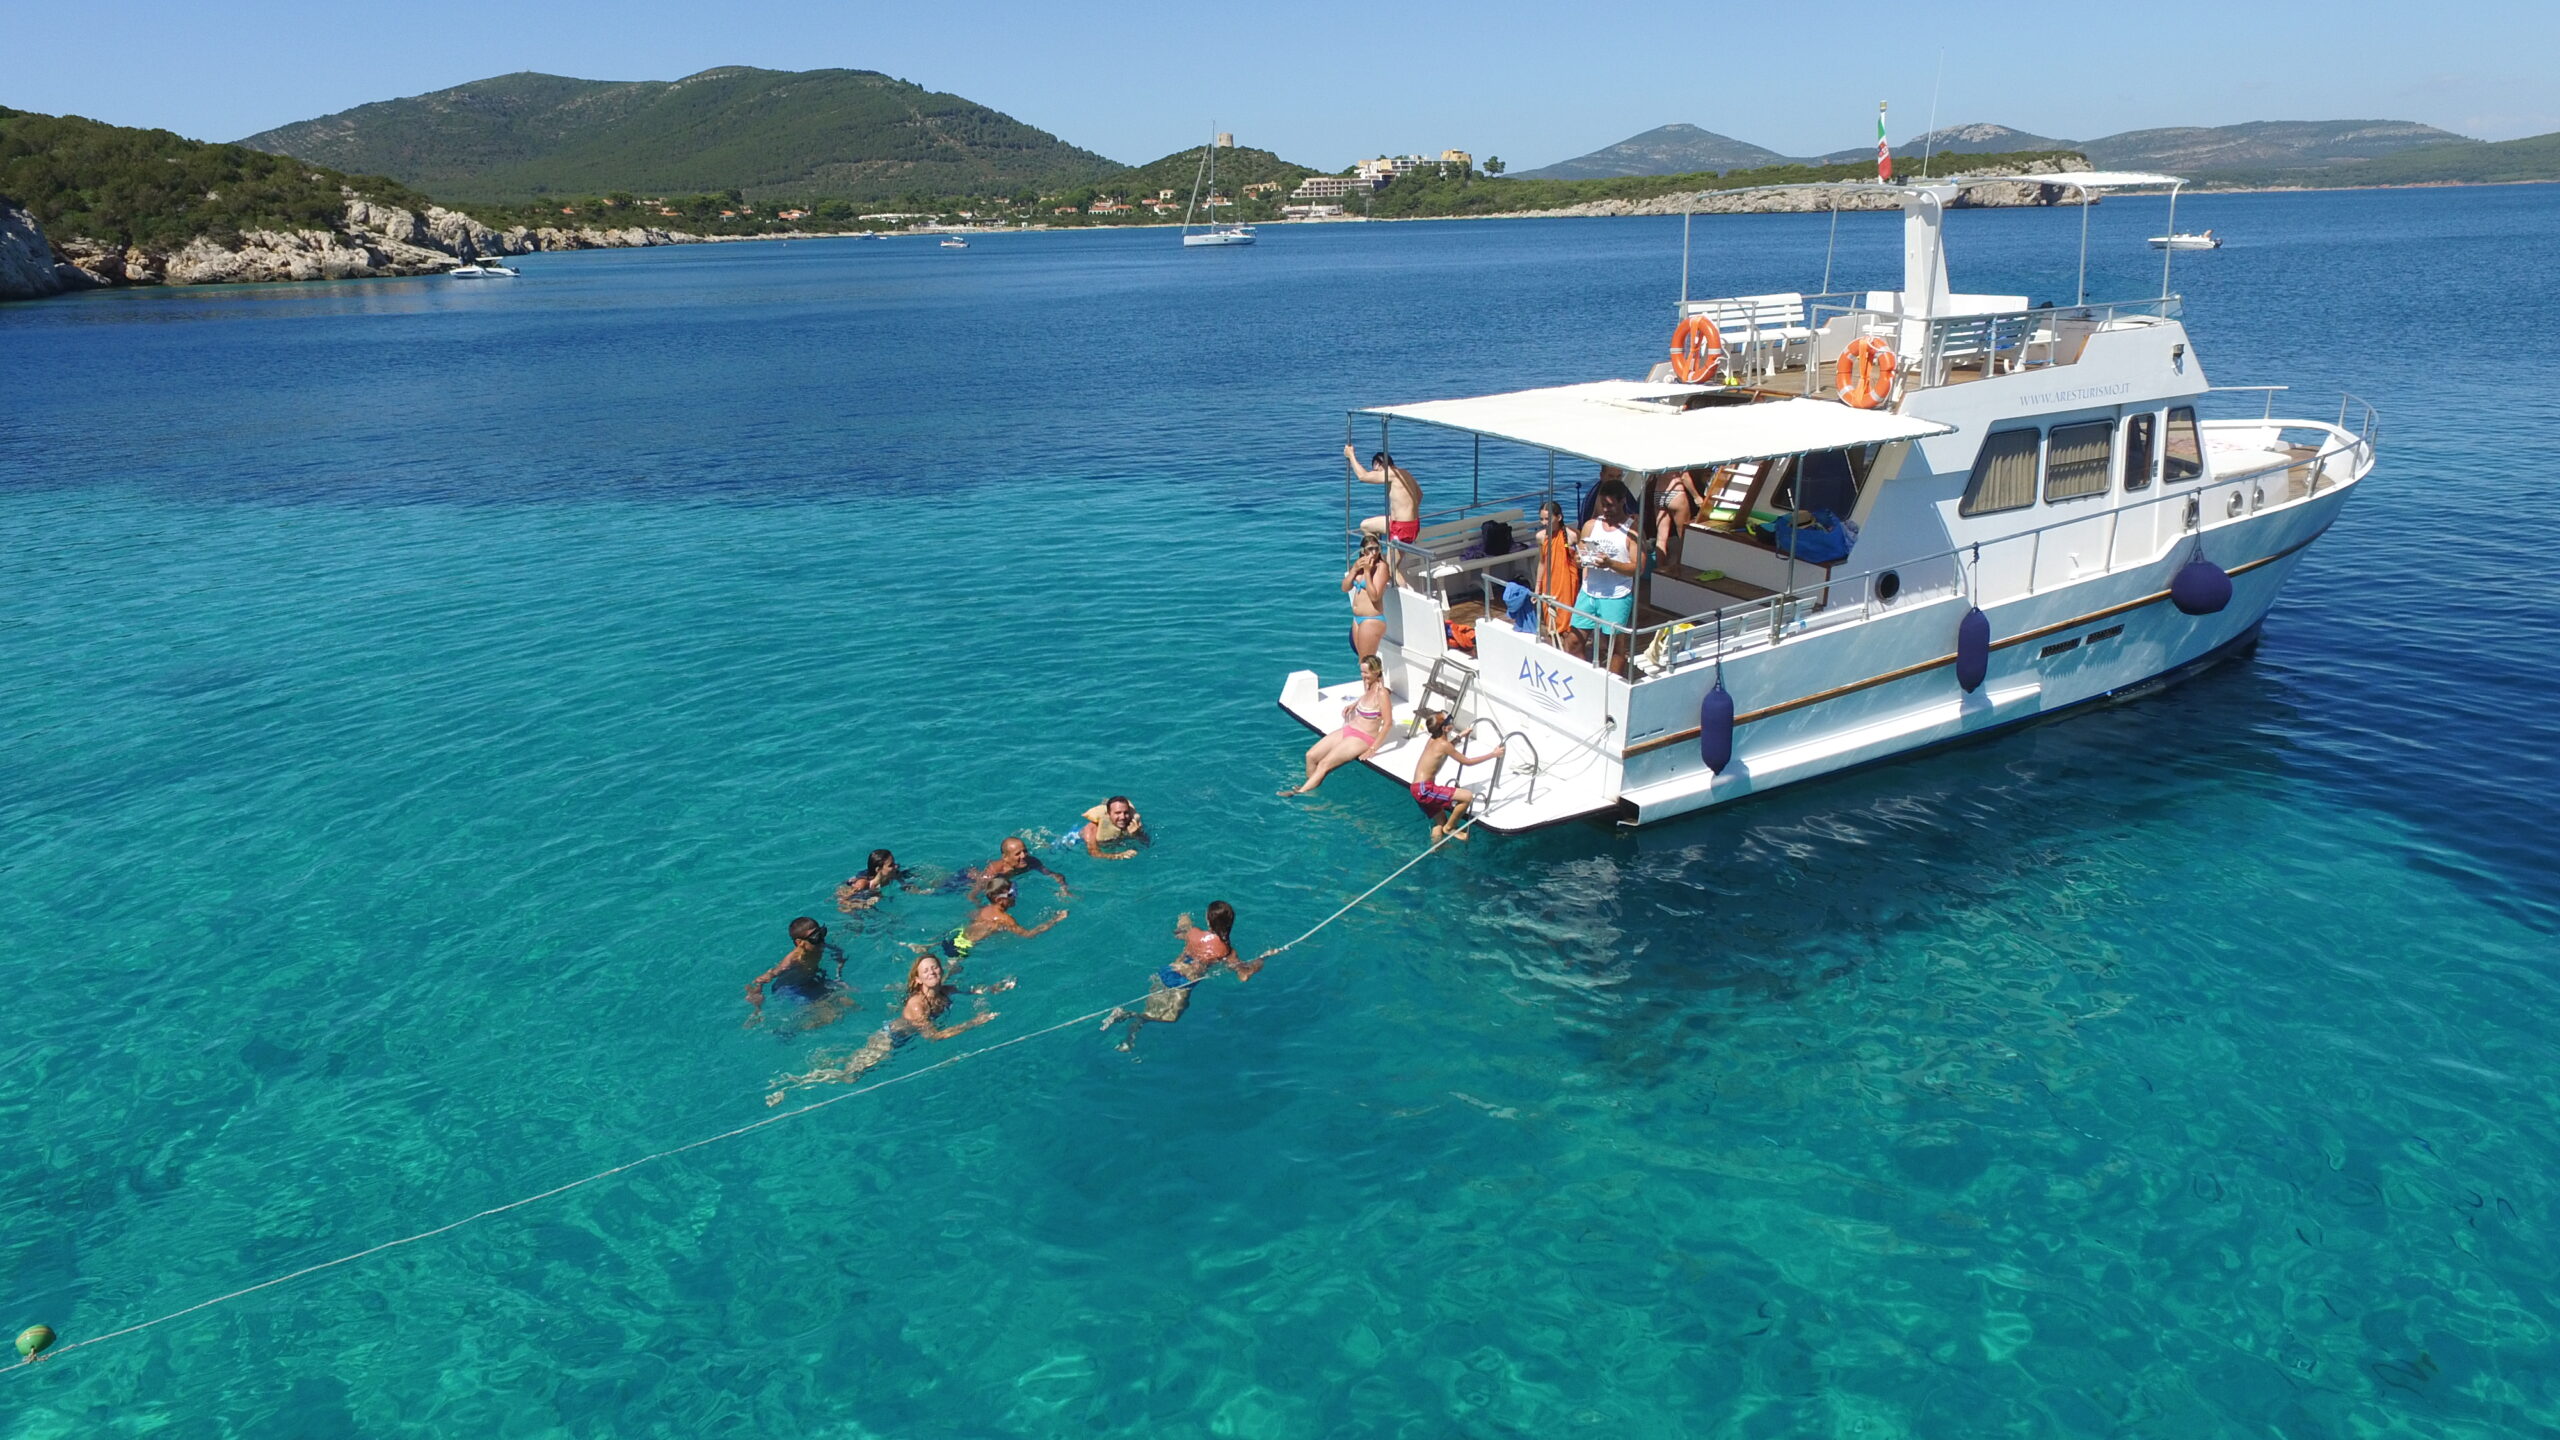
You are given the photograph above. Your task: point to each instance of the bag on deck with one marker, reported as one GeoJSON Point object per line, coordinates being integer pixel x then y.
{"type": "Point", "coordinates": [1497, 537]}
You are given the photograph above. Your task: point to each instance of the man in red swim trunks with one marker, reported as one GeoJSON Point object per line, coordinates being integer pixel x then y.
{"type": "Point", "coordinates": [1403, 521]}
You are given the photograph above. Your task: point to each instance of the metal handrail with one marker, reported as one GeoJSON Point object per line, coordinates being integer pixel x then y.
{"type": "Point", "coordinates": [1741, 622]}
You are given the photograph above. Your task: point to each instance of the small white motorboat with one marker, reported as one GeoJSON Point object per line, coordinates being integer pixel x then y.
{"type": "Point", "coordinates": [2202, 240]}
{"type": "Point", "coordinates": [955, 243]}
{"type": "Point", "coordinates": [482, 270]}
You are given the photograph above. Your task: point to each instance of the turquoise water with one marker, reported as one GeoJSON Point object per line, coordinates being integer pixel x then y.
{"type": "Point", "coordinates": [428, 704]}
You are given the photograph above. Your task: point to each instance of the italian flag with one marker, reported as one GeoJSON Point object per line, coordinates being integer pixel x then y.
{"type": "Point", "coordinates": [1884, 152]}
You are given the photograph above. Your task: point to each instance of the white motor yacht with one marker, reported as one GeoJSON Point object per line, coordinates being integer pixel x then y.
{"type": "Point", "coordinates": [482, 270]}
{"type": "Point", "coordinates": [954, 242]}
{"type": "Point", "coordinates": [1927, 516]}
{"type": "Point", "coordinates": [2201, 240]}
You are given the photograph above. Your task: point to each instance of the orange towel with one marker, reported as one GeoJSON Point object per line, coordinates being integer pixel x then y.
{"type": "Point", "coordinates": [1559, 579]}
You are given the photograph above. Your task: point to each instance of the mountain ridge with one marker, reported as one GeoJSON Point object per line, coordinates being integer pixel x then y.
{"type": "Point", "coordinates": [2197, 150]}
{"type": "Point", "coordinates": [799, 134]}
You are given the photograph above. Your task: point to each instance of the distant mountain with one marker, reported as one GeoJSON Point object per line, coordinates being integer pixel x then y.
{"type": "Point", "coordinates": [848, 134]}
{"type": "Point", "coordinates": [2262, 144]}
{"type": "Point", "coordinates": [1953, 140]}
{"type": "Point", "coordinates": [1665, 150]}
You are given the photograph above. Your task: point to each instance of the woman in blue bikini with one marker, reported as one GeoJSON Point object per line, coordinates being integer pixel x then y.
{"type": "Point", "coordinates": [1169, 989]}
{"type": "Point", "coordinates": [928, 998]}
{"type": "Point", "coordinates": [1366, 583]}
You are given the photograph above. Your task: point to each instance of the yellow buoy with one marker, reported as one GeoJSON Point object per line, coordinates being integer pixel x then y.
{"type": "Point", "coordinates": [34, 1341]}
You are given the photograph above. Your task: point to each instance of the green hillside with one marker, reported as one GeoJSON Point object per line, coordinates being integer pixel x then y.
{"type": "Point", "coordinates": [1237, 167]}
{"type": "Point", "coordinates": [2466, 162]}
{"type": "Point", "coordinates": [772, 135]}
{"type": "Point", "coordinates": [80, 178]}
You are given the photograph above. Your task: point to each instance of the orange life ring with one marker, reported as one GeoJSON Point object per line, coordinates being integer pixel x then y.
{"type": "Point", "coordinates": [1697, 350]}
{"type": "Point", "coordinates": [1865, 372]}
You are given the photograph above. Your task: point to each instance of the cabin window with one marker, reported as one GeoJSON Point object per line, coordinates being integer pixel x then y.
{"type": "Point", "coordinates": [2076, 460]}
{"type": "Point", "coordinates": [2141, 448]}
{"type": "Point", "coordinates": [2004, 474]}
{"type": "Point", "coordinates": [2186, 452]}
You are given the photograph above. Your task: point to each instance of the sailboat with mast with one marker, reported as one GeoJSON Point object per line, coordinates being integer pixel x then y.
{"type": "Point", "coordinates": [1205, 183]}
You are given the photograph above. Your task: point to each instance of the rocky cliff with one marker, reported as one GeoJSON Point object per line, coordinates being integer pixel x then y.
{"type": "Point", "coordinates": [371, 239]}
{"type": "Point", "coordinates": [28, 266]}
{"type": "Point", "coordinates": [1781, 202]}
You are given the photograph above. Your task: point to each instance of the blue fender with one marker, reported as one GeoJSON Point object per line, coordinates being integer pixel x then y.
{"type": "Point", "coordinates": [1715, 728]}
{"type": "Point", "coordinates": [1973, 649]}
{"type": "Point", "coordinates": [2200, 587]}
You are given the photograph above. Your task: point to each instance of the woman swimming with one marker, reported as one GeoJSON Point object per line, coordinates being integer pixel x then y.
{"type": "Point", "coordinates": [1169, 989]}
{"type": "Point", "coordinates": [1447, 805]}
{"type": "Point", "coordinates": [802, 975]}
{"type": "Point", "coordinates": [863, 891]}
{"type": "Point", "coordinates": [1366, 583]}
{"type": "Point", "coordinates": [928, 997]}
{"type": "Point", "coordinates": [1365, 723]}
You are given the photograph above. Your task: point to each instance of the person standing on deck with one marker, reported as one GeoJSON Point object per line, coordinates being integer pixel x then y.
{"type": "Point", "coordinates": [1608, 554]}
{"type": "Point", "coordinates": [1559, 579]}
{"type": "Point", "coordinates": [1366, 583]}
{"type": "Point", "coordinates": [1403, 521]}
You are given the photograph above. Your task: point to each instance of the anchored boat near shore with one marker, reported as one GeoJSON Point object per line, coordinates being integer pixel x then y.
{"type": "Point", "coordinates": [1928, 515]}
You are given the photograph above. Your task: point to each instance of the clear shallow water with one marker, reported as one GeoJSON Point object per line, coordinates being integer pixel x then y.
{"type": "Point", "coordinates": [429, 703]}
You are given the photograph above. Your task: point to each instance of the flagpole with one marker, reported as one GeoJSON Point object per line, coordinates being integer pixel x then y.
{"type": "Point", "coordinates": [1884, 151]}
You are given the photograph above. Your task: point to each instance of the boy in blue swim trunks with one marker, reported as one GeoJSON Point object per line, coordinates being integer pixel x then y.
{"type": "Point", "coordinates": [1169, 989]}
{"type": "Point", "coordinates": [802, 975]}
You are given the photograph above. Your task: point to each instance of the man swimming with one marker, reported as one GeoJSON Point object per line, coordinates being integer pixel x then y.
{"type": "Point", "coordinates": [1012, 858]}
{"type": "Point", "coordinates": [1114, 822]}
{"type": "Point", "coordinates": [995, 917]}
{"type": "Point", "coordinates": [1169, 989]}
{"type": "Point", "coordinates": [802, 975]}
{"type": "Point", "coordinates": [928, 997]}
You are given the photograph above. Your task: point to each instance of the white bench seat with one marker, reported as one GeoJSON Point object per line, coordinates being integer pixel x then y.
{"type": "Point", "coordinates": [1760, 332]}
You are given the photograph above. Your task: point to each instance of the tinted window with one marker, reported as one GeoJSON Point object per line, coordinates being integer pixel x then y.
{"type": "Point", "coordinates": [2140, 450]}
{"type": "Point", "coordinates": [2076, 460]}
{"type": "Point", "coordinates": [2186, 452]}
{"type": "Point", "coordinates": [2004, 474]}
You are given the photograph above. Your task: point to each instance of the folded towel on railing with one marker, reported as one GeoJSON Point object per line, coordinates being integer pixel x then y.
{"type": "Point", "coordinates": [1522, 604]}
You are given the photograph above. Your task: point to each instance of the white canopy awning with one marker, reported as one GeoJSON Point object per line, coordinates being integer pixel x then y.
{"type": "Point", "coordinates": [1627, 424]}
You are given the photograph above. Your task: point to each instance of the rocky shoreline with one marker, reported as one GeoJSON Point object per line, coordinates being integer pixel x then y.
{"type": "Point", "coordinates": [370, 240]}
{"type": "Point", "coordinates": [373, 240]}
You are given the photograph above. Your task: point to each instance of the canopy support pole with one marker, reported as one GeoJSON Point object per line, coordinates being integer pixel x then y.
{"type": "Point", "coordinates": [1830, 248]}
{"type": "Point", "coordinates": [2083, 297]}
{"type": "Point", "coordinates": [2169, 251]}
{"type": "Point", "coordinates": [1684, 258]}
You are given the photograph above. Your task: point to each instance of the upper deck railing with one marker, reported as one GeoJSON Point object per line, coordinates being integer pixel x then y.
{"type": "Point", "coordinates": [2015, 564]}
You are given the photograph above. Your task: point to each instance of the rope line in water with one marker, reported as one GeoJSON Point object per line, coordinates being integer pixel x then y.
{"type": "Point", "coordinates": [777, 1118]}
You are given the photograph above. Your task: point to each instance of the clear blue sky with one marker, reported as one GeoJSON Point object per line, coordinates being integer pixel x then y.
{"type": "Point", "coordinates": [1328, 82]}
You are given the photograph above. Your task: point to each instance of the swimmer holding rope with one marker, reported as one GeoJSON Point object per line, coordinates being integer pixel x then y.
{"type": "Point", "coordinates": [1169, 989]}
{"type": "Point", "coordinates": [928, 997]}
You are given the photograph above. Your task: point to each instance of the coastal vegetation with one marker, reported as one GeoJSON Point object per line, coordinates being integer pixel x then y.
{"type": "Point", "coordinates": [774, 136]}
{"type": "Point", "coordinates": [1435, 191]}
{"type": "Point", "coordinates": [128, 187]}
